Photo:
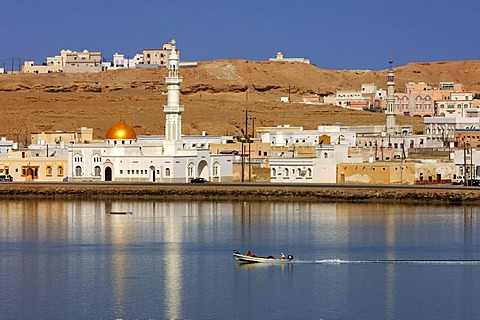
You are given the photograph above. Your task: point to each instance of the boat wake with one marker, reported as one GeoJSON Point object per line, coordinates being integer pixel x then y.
{"type": "Point", "coordinates": [392, 261]}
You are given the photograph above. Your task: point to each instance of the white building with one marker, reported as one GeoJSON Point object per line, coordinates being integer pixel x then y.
{"type": "Point", "coordinates": [467, 163]}
{"type": "Point", "coordinates": [443, 128]}
{"type": "Point", "coordinates": [6, 146]}
{"type": "Point", "coordinates": [321, 169]}
{"type": "Point", "coordinates": [123, 157]}
{"type": "Point", "coordinates": [280, 58]}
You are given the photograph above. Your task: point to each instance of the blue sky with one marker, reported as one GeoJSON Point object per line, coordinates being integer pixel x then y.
{"type": "Point", "coordinates": [333, 34]}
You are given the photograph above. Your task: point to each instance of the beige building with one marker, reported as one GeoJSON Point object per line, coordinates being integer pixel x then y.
{"type": "Point", "coordinates": [82, 135]}
{"type": "Point", "coordinates": [85, 61]}
{"type": "Point", "coordinates": [27, 165]}
{"type": "Point", "coordinates": [157, 56]}
{"type": "Point", "coordinates": [400, 172]}
{"type": "Point", "coordinates": [68, 61]}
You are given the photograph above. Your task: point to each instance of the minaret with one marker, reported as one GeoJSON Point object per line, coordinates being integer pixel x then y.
{"type": "Point", "coordinates": [173, 110]}
{"type": "Point", "coordinates": [390, 99]}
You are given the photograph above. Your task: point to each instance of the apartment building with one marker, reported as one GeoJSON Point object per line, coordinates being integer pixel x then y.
{"type": "Point", "coordinates": [421, 100]}
{"type": "Point", "coordinates": [157, 57]}
{"type": "Point", "coordinates": [68, 61]}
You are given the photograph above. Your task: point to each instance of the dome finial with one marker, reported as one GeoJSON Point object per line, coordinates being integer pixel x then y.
{"type": "Point", "coordinates": [173, 42]}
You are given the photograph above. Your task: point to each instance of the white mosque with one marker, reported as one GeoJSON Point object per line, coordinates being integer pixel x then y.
{"type": "Point", "coordinates": [122, 157]}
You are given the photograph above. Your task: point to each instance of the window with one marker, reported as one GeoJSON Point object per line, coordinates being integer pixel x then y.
{"type": "Point", "coordinates": [78, 171]}
{"type": "Point", "coordinates": [216, 169]}
{"type": "Point", "coordinates": [167, 172]}
{"type": "Point", "coordinates": [309, 172]}
{"type": "Point", "coordinates": [191, 170]}
{"type": "Point", "coordinates": [49, 171]}
{"type": "Point", "coordinates": [78, 158]}
{"type": "Point", "coordinates": [274, 172]}
{"type": "Point", "coordinates": [60, 171]}
{"type": "Point", "coordinates": [286, 173]}
{"type": "Point", "coordinates": [97, 171]}
{"type": "Point", "coordinates": [97, 158]}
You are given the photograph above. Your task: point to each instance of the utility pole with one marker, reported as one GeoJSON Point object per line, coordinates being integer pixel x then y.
{"type": "Point", "coordinates": [246, 123]}
{"type": "Point", "coordinates": [243, 162]}
{"type": "Point", "coordinates": [464, 164]}
{"type": "Point", "coordinates": [471, 163]}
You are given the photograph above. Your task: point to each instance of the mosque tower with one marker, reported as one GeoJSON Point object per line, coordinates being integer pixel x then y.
{"type": "Point", "coordinates": [173, 110]}
{"type": "Point", "coordinates": [390, 99]}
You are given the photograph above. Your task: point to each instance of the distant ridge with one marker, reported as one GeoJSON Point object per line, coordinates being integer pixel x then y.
{"type": "Point", "coordinates": [216, 95]}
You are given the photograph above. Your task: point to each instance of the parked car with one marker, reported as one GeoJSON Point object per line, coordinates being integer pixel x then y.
{"type": "Point", "coordinates": [6, 178]}
{"type": "Point", "coordinates": [198, 180]}
{"type": "Point", "coordinates": [458, 180]}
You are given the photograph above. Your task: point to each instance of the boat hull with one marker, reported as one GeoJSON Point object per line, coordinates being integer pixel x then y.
{"type": "Point", "coordinates": [253, 259]}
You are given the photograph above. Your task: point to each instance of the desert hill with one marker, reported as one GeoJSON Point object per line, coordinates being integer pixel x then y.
{"type": "Point", "coordinates": [215, 94]}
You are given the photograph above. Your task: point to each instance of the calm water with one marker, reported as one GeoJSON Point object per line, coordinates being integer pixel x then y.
{"type": "Point", "coordinates": [73, 259]}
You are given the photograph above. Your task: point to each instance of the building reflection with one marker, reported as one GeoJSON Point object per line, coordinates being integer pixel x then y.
{"type": "Point", "coordinates": [170, 226]}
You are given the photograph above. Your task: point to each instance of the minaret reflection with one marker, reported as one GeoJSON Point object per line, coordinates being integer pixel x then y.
{"type": "Point", "coordinates": [172, 232]}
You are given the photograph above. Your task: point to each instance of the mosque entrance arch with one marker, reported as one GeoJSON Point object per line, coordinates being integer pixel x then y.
{"type": "Point", "coordinates": [203, 169]}
{"type": "Point", "coordinates": [152, 174]}
{"type": "Point", "coordinates": [108, 174]}
{"type": "Point", "coordinates": [31, 174]}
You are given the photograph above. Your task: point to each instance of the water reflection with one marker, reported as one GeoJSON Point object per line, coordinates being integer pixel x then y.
{"type": "Point", "coordinates": [160, 260]}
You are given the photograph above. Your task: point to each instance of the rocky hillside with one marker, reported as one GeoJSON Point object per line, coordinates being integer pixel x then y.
{"type": "Point", "coordinates": [215, 94]}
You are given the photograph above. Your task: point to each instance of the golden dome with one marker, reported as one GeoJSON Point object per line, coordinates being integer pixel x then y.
{"type": "Point", "coordinates": [120, 131]}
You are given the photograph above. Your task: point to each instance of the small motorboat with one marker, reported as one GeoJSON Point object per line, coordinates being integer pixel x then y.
{"type": "Point", "coordinates": [254, 259]}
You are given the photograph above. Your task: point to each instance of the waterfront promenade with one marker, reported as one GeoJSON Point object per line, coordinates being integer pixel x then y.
{"type": "Point", "coordinates": [248, 191]}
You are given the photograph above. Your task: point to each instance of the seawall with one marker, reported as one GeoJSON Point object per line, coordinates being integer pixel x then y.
{"type": "Point", "coordinates": [244, 192]}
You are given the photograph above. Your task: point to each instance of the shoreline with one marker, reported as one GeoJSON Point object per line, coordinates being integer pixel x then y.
{"type": "Point", "coordinates": [242, 192]}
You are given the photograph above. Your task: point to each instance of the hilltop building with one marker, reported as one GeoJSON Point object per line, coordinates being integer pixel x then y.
{"type": "Point", "coordinates": [281, 58]}
{"type": "Point", "coordinates": [69, 62]}
{"type": "Point", "coordinates": [158, 57]}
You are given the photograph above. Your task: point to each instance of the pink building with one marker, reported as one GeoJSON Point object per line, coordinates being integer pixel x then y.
{"type": "Point", "coordinates": [421, 100]}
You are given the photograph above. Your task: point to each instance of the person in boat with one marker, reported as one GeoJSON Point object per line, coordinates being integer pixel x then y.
{"type": "Point", "coordinates": [282, 256]}
{"type": "Point", "coordinates": [249, 253]}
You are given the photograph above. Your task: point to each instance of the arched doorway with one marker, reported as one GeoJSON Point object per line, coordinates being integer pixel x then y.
{"type": "Point", "coordinates": [152, 174]}
{"type": "Point", "coordinates": [203, 170]}
{"type": "Point", "coordinates": [30, 176]}
{"type": "Point", "coordinates": [108, 174]}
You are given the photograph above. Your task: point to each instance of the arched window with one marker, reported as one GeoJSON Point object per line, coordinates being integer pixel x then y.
{"type": "Point", "coordinates": [97, 158]}
{"type": "Point", "coordinates": [216, 169]}
{"type": "Point", "coordinates": [60, 171]}
{"type": "Point", "coordinates": [286, 172]}
{"type": "Point", "coordinates": [309, 172]}
{"type": "Point", "coordinates": [98, 171]}
{"type": "Point", "coordinates": [49, 171]}
{"type": "Point", "coordinates": [274, 172]}
{"type": "Point", "coordinates": [78, 171]}
{"type": "Point", "coordinates": [77, 158]}
{"type": "Point", "coordinates": [191, 170]}
{"type": "Point", "coordinates": [167, 172]}
{"type": "Point", "coordinates": [325, 155]}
